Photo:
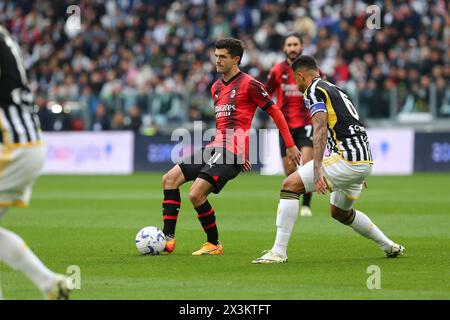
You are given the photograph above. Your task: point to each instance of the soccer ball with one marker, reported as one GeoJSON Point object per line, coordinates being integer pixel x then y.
{"type": "Point", "coordinates": [150, 240]}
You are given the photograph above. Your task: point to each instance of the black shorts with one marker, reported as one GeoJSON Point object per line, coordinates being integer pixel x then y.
{"type": "Point", "coordinates": [302, 138]}
{"type": "Point", "coordinates": [215, 165]}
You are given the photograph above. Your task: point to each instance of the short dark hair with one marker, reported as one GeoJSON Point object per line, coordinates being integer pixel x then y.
{"type": "Point", "coordinates": [305, 62]}
{"type": "Point", "coordinates": [234, 46]}
{"type": "Point", "coordinates": [293, 34]}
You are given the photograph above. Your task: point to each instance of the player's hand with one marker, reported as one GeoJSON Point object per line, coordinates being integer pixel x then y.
{"type": "Point", "coordinates": [294, 155]}
{"type": "Point", "coordinates": [319, 181]}
{"type": "Point", "coordinates": [247, 166]}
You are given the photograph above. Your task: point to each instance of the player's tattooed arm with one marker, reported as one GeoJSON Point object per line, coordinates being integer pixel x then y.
{"type": "Point", "coordinates": [319, 140]}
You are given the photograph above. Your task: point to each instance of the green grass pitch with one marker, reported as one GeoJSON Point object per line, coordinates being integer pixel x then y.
{"type": "Point", "coordinates": [91, 222]}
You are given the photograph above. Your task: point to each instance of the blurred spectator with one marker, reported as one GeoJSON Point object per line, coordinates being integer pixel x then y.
{"type": "Point", "coordinates": [45, 116]}
{"type": "Point", "coordinates": [418, 96]}
{"type": "Point", "coordinates": [101, 120]}
{"type": "Point", "coordinates": [194, 114]}
{"type": "Point", "coordinates": [134, 119]}
{"type": "Point", "coordinates": [341, 71]}
{"type": "Point", "coordinates": [375, 101]}
{"type": "Point", "coordinates": [443, 98]}
{"type": "Point", "coordinates": [118, 121]}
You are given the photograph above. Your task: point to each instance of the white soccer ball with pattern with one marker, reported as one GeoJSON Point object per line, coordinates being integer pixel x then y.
{"type": "Point", "coordinates": [150, 240]}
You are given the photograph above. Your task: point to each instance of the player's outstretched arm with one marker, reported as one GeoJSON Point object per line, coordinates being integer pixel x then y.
{"type": "Point", "coordinates": [319, 121]}
{"type": "Point", "coordinates": [292, 151]}
{"type": "Point", "coordinates": [258, 95]}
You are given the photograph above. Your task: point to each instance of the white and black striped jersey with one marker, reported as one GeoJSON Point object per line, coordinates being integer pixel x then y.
{"type": "Point", "coordinates": [19, 124]}
{"type": "Point", "coordinates": [346, 135]}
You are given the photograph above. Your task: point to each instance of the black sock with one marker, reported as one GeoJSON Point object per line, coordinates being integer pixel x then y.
{"type": "Point", "coordinates": [307, 199]}
{"type": "Point", "coordinates": [206, 216]}
{"type": "Point", "coordinates": [171, 206]}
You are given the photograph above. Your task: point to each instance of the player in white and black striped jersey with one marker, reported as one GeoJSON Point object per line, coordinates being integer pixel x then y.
{"type": "Point", "coordinates": [346, 135]}
{"type": "Point", "coordinates": [22, 157]}
{"type": "Point", "coordinates": [19, 124]}
{"type": "Point", "coordinates": [343, 173]}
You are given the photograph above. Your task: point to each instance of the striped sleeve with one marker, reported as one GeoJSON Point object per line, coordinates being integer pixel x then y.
{"type": "Point", "coordinates": [315, 99]}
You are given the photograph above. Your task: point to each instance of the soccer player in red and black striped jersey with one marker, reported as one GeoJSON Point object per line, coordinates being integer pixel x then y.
{"type": "Point", "coordinates": [281, 83]}
{"type": "Point", "coordinates": [236, 97]}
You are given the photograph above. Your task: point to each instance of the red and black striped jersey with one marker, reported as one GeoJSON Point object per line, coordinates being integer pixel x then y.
{"type": "Point", "coordinates": [19, 124]}
{"type": "Point", "coordinates": [235, 104]}
{"type": "Point", "coordinates": [281, 83]}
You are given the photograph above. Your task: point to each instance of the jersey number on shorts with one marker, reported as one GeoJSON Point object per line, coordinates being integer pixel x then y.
{"type": "Point", "coordinates": [308, 129]}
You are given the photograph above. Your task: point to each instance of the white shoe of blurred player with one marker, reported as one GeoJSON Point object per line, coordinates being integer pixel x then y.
{"type": "Point", "coordinates": [305, 211]}
{"type": "Point", "coordinates": [61, 288]}
{"type": "Point", "coordinates": [270, 257]}
{"type": "Point", "coordinates": [396, 251]}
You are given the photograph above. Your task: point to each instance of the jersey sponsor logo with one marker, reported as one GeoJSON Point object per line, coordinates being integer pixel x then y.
{"type": "Point", "coordinates": [290, 90]}
{"type": "Point", "coordinates": [224, 110]}
{"type": "Point", "coordinates": [284, 76]}
{"type": "Point", "coordinates": [353, 128]}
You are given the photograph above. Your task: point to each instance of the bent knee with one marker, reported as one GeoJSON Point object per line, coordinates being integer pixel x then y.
{"type": "Point", "coordinates": [340, 214]}
{"type": "Point", "coordinates": [172, 179]}
{"type": "Point", "coordinates": [196, 197]}
{"type": "Point", "coordinates": [167, 180]}
{"type": "Point", "coordinates": [293, 183]}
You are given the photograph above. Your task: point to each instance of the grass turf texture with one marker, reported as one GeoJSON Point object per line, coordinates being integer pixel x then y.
{"type": "Point", "coordinates": [92, 221]}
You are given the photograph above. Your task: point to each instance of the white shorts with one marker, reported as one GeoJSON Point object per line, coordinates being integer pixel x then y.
{"type": "Point", "coordinates": [345, 179]}
{"type": "Point", "coordinates": [19, 168]}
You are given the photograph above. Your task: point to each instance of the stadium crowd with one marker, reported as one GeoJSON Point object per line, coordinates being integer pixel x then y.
{"type": "Point", "coordinates": [138, 64]}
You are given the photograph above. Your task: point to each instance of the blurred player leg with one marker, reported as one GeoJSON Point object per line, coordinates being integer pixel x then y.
{"type": "Point", "coordinates": [20, 170]}
{"type": "Point", "coordinates": [13, 250]}
{"type": "Point", "coordinates": [307, 155]}
{"type": "Point", "coordinates": [16, 254]}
